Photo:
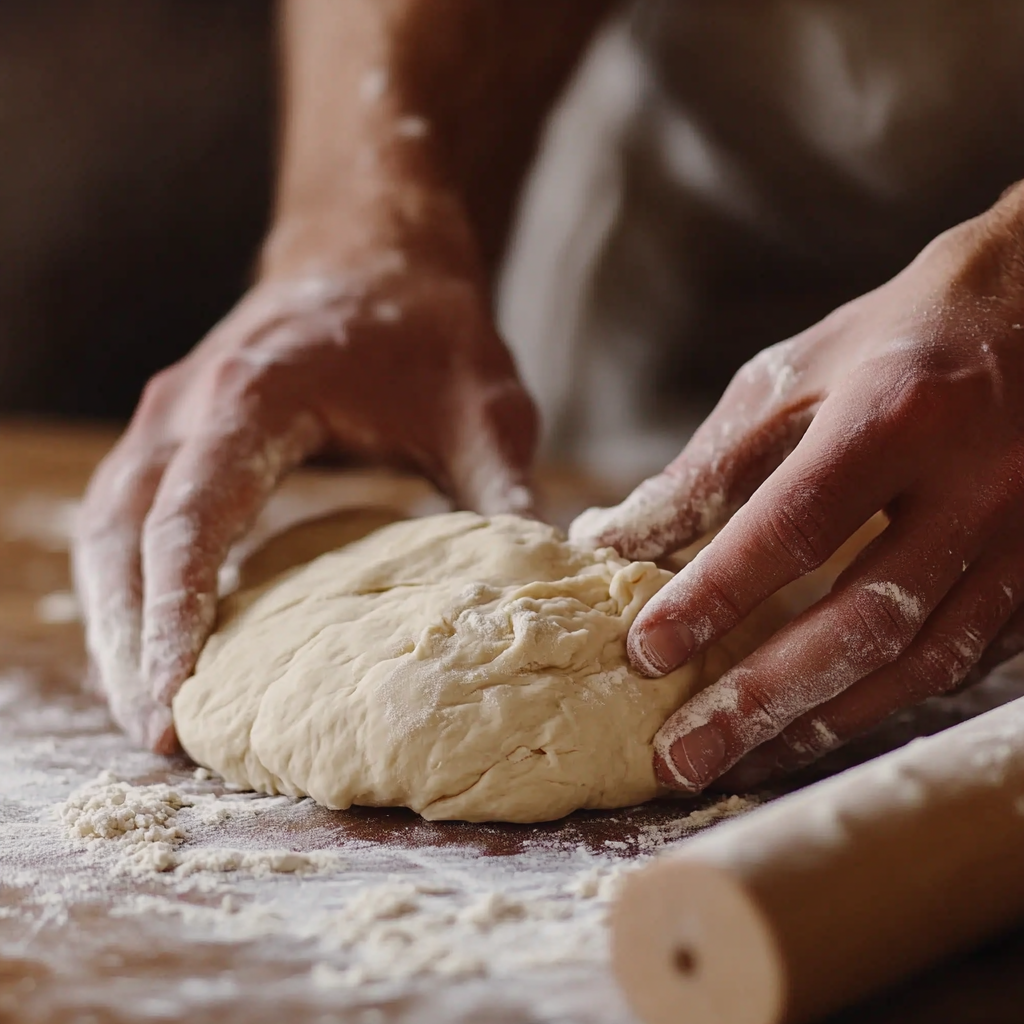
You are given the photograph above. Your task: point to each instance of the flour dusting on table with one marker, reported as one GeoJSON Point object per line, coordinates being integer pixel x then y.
{"type": "Point", "coordinates": [448, 913]}
{"type": "Point", "coordinates": [100, 841]}
{"type": "Point", "coordinates": [129, 880]}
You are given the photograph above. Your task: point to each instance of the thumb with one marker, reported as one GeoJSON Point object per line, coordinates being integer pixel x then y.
{"type": "Point", "coordinates": [751, 431]}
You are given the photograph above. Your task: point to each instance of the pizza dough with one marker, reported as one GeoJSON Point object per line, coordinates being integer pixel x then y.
{"type": "Point", "coordinates": [465, 667]}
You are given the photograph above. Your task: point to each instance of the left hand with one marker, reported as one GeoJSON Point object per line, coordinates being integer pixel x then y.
{"type": "Point", "coordinates": [908, 400]}
{"type": "Point", "coordinates": [400, 366]}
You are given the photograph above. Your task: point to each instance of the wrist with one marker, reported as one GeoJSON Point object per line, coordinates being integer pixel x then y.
{"type": "Point", "coordinates": [384, 225]}
{"type": "Point", "coordinates": [362, 172]}
{"type": "Point", "coordinates": [982, 259]}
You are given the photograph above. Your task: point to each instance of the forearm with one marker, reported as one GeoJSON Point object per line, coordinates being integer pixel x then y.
{"type": "Point", "coordinates": [409, 124]}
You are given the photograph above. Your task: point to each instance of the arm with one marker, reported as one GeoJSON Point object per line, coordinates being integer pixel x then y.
{"type": "Point", "coordinates": [363, 77]}
{"type": "Point", "coordinates": [408, 126]}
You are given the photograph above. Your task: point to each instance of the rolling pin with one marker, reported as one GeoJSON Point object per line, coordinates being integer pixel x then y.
{"type": "Point", "coordinates": [831, 894]}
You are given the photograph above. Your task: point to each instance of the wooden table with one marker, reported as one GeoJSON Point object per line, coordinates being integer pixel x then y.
{"type": "Point", "coordinates": [80, 941]}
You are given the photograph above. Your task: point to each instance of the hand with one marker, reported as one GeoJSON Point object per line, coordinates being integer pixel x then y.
{"type": "Point", "coordinates": [908, 400]}
{"type": "Point", "coordinates": [394, 366]}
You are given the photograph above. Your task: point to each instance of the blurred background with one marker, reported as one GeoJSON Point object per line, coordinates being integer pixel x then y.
{"type": "Point", "coordinates": [136, 142]}
{"type": "Point", "coordinates": [717, 177]}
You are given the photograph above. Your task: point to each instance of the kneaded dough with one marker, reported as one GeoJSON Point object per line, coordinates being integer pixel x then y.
{"type": "Point", "coordinates": [466, 667]}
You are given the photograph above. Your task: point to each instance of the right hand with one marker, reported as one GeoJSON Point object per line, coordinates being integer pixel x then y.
{"type": "Point", "coordinates": [396, 365]}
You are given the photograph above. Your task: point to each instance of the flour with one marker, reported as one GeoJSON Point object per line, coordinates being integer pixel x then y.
{"type": "Point", "coordinates": [144, 822]}
{"type": "Point", "coordinates": [58, 607]}
{"type": "Point", "coordinates": [412, 127]}
{"type": "Point", "coordinates": [664, 514]}
{"type": "Point", "coordinates": [655, 837]}
{"type": "Point", "coordinates": [826, 738]}
{"type": "Point", "coordinates": [373, 85]}
{"type": "Point", "coordinates": [46, 522]}
{"type": "Point", "coordinates": [141, 819]}
{"type": "Point", "coordinates": [387, 312]}
{"type": "Point", "coordinates": [464, 924]}
{"type": "Point", "coordinates": [911, 607]}
{"type": "Point", "coordinates": [450, 916]}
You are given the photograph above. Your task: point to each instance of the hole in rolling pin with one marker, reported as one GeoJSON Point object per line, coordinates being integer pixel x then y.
{"type": "Point", "coordinates": [685, 960]}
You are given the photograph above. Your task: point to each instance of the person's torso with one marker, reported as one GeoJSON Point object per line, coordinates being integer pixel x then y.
{"type": "Point", "coordinates": [775, 158]}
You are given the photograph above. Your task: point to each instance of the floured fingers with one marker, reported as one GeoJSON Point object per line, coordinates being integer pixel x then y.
{"type": "Point", "coordinates": [759, 420]}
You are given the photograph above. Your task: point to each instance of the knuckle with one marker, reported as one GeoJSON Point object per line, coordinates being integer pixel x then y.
{"type": "Point", "coordinates": [930, 381]}
{"type": "Point", "coordinates": [239, 376]}
{"type": "Point", "coordinates": [796, 532]}
{"type": "Point", "coordinates": [770, 366]}
{"type": "Point", "coordinates": [771, 719]}
{"type": "Point", "coordinates": [724, 607]}
{"type": "Point", "coordinates": [175, 524]}
{"type": "Point", "coordinates": [158, 395]}
{"type": "Point", "coordinates": [810, 740]}
{"type": "Point", "coordinates": [114, 498]}
{"type": "Point", "coordinates": [98, 531]}
{"type": "Point", "coordinates": [944, 663]}
{"type": "Point", "coordinates": [766, 383]}
{"type": "Point", "coordinates": [880, 629]}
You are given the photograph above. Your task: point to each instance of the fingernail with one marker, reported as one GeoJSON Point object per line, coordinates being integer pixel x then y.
{"type": "Point", "coordinates": [664, 647]}
{"type": "Point", "coordinates": [697, 758]}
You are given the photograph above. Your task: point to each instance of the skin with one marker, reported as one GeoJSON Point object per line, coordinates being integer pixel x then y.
{"type": "Point", "coordinates": [367, 333]}
{"type": "Point", "coordinates": [908, 400]}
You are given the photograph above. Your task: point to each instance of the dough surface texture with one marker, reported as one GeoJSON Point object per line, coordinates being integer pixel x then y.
{"type": "Point", "coordinates": [465, 667]}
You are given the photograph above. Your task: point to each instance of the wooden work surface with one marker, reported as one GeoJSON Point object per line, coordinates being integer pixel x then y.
{"type": "Point", "coordinates": [83, 940]}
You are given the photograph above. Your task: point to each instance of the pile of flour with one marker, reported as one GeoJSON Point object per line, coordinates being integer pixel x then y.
{"type": "Point", "coordinates": [144, 823]}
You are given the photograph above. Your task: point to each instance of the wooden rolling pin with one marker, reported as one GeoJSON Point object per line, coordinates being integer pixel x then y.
{"type": "Point", "coordinates": [835, 892]}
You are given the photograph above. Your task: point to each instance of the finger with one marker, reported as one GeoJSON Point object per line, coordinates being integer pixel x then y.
{"type": "Point", "coordinates": [979, 624]}
{"type": "Point", "coordinates": [1007, 644]}
{"type": "Point", "coordinates": [210, 494]}
{"type": "Point", "coordinates": [757, 423]}
{"type": "Point", "coordinates": [868, 620]}
{"type": "Point", "coordinates": [488, 470]}
{"type": "Point", "coordinates": [837, 478]}
{"type": "Point", "coordinates": [106, 564]}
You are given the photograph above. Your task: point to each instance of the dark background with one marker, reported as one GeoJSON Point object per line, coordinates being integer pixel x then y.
{"type": "Point", "coordinates": [135, 169]}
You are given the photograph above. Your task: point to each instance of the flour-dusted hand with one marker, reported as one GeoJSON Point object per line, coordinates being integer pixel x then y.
{"type": "Point", "coordinates": [908, 400]}
{"type": "Point", "coordinates": [396, 368]}
{"type": "Point", "coordinates": [369, 332]}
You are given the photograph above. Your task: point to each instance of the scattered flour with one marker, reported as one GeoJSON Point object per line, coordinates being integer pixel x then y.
{"type": "Point", "coordinates": [448, 914]}
{"type": "Point", "coordinates": [653, 838]}
{"type": "Point", "coordinates": [294, 905]}
{"type": "Point", "coordinates": [46, 522]}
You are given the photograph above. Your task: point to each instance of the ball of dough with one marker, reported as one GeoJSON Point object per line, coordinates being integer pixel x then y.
{"type": "Point", "coordinates": [468, 668]}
